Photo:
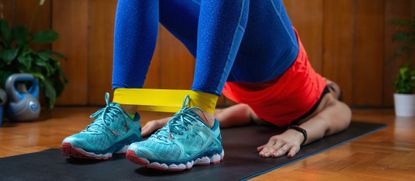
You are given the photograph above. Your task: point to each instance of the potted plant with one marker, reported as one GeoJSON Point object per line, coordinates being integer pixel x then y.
{"type": "Point", "coordinates": [17, 55]}
{"type": "Point", "coordinates": [405, 83]}
{"type": "Point", "coordinates": [404, 92]}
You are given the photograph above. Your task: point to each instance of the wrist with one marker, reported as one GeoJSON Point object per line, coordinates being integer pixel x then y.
{"type": "Point", "coordinates": [298, 136]}
{"type": "Point", "coordinates": [303, 133]}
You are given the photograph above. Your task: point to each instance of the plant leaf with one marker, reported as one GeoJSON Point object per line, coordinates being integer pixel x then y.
{"type": "Point", "coordinates": [8, 55]}
{"type": "Point", "coordinates": [401, 36]}
{"type": "Point", "coordinates": [46, 66]}
{"type": "Point", "coordinates": [44, 55]}
{"type": "Point", "coordinates": [45, 37]}
{"type": "Point", "coordinates": [5, 33]}
{"type": "Point", "coordinates": [52, 54]}
{"type": "Point", "coordinates": [62, 77]}
{"type": "Point", "coordinates": [25, 60]}
{"type": "Point", "coordinates": [58, 55]}
{"type": "Point", "coordinates": [404, 83]}
{"type": "Point", "coordinates": [50, 93]}
{"type": "Point", "coordinates": [21, 35]}
{"type": "Point", "coordinates": [400, 22]}
{"type": "Point", "coordinates": [38, 76]}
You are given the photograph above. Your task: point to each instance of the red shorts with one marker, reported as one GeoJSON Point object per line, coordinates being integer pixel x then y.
{"type": "Point", "coordinates": [284, 99]}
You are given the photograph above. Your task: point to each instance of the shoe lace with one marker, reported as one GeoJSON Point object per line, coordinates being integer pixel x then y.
{"type": "Point", "coordinates": [104, 117]}
{"type": "Point", "coordinates": [179, 123]}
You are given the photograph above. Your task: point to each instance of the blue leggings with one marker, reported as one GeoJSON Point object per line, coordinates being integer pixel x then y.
{"type": "Point", "coordinates": [235, 40]}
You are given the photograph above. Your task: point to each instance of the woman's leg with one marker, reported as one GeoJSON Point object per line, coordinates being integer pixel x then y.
{"type": "Point", "coordinates": [219, 32]}
{"type": "Point", "coordinates": [136, 27]}
{"type": "Point", "coordinates": [212, 31]}
{"type": "Point", "coordinates": [135, 36]}
{"type": "Point", "coordinates": [269, 46]}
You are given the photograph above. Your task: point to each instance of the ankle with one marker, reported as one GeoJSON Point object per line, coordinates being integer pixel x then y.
{"type": "Point", "coordinates": [207, 118]}
{"type": "Point", "coordinates": [129, 109]}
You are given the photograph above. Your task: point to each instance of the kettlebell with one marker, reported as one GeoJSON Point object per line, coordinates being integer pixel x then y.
{"type": "Point", "coordinates": [3, 100]}
{"type": "Point", "coordinates": [23, 103]}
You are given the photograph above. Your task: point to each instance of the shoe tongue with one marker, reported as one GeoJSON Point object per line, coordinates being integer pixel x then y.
{"type": "Point", "coordinates": [131, 116]}
{"type": "Point", "coordinates": [99, 115]}
{"type": "Point", "coordinates": [192, 111]}
{"type": "Point", "coordinates": [113, 104]}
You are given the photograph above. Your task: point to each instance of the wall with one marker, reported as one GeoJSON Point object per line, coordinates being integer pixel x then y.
{"type": "Point", "coordinates": [348, 41]}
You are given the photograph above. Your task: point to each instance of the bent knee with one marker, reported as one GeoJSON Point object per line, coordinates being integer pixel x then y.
{"type": "Point", "coordinates": [339, 118]}
{"type": "Point", "coordinates": [346, 114]}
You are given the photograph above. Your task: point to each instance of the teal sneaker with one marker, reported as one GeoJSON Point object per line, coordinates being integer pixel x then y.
{"type": "Point", "coordinates": [183, 142]}
{"type": "Point", "coordinates": [112, 131]}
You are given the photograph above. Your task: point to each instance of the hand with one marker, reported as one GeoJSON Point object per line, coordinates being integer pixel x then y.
{"type": "Point", "coordinates": [287, 143]}
{"type": "Point", "coordinates": [152, 126]}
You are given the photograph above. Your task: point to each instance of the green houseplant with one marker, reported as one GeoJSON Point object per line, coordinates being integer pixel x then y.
{"type": "Point", "coordinates": [18, 56]}
{"type": "Point", "coordinates": [405, 82]}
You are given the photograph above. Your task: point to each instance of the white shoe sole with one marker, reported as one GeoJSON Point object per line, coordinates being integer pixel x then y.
{"type": "Point", "coordinates": [215, 159]}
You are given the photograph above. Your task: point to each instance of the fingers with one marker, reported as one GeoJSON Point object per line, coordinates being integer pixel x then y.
{"type": "Point", "coordinates": [266, 148]}
{"type": "Point", "coordinates": [277, 147]}
{"type": "Point", "coordinates": [152, 126]}
{"type": "Point", "coordinates": [273, 149]}
{"type": "Point", "coordinates": [259, 148]}
{"type": "Point", "coordinates": [282, 151]}
{"type": "Point", "coordinates": [148, 128]}
{"type": "Point", "coordinates": [294, 150]}
{"type": "Point", "coordinates": [272, 146]}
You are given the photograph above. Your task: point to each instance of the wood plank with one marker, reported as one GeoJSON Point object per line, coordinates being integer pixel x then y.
{"type": "Point", "coordinates": [177, 64]}
{"type": "Point", "coordinates": [307, 17]}
{"type": "Point", "coordinates": [413, 8]}
{"type": "Point", "coordinates": [29, 13]}
{"type": "Point", "coordinates": [7, 10]}
{"type": "Point", "coordinates": [35, 17]}
{"type": "Point", "coordinates": [338, 44]}
{"type": "Point", "coordinates": [395, 9]}
{"type": "Point", "coordinates": [100, 49]}
{"type": "Point", "coordinates": [369, 58]}
{"type": "Point", "coordinates": [70, 19]}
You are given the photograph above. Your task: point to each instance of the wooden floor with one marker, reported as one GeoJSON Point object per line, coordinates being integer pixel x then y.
{"type": "Point", "coordinates": [386, 155]}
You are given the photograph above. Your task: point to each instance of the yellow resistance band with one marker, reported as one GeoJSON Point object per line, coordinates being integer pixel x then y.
{"type": "Point", "coordinates": [164, 100]}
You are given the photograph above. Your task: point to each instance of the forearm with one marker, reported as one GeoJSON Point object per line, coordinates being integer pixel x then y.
{"type": "Point", "coordinates": [334, 118]}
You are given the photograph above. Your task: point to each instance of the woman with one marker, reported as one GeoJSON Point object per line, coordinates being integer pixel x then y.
{"type": "Point", "coordinates": [247, 49]}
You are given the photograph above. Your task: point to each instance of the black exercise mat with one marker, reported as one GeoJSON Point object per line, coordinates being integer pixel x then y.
{"type": "Point", "coordinates": [241, 160]}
